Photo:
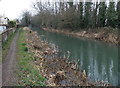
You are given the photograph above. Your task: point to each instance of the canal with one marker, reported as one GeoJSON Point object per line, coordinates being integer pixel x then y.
{"type": "Point", "coordinates": [99, 59]}
{"type": "Point", "coordinates": [2, 28]}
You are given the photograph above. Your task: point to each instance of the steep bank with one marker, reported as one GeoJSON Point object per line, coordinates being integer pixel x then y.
{"type": "Point", "coordinates": [57, 70]}
{"type": "Point", "coordinates": [102, 34]}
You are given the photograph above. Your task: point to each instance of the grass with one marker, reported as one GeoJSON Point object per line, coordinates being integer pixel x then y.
{"type": "Point", "coordinates": [6, 46]}
{"type": "Point", "coordinates": [28, 75]}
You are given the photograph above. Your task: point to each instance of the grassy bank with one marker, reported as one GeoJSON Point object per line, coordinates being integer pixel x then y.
{"type": "Point", "coordinates": [28, 74]}
{"type": "Point", "coordinates": [6, 46]}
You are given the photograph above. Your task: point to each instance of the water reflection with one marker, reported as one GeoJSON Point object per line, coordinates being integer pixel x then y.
{"type": "Point", "coordinates": [99, 59]}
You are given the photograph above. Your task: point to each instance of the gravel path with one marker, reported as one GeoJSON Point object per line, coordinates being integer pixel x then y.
{"type": "Point", "coordinates": [8, 68]}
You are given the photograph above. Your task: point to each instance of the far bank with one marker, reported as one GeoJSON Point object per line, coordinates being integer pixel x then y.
{"type": "Point", "coordinates": [106, 34]}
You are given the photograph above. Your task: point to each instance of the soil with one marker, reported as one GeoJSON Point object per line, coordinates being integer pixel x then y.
{"type": "Point", "coordinates": [9, 65]}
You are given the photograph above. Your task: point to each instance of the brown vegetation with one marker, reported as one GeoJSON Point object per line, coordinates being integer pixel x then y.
{"type": "Point", "coordinates": [58, 71]}
{"type": "Point", "coordinates": [106, 36]}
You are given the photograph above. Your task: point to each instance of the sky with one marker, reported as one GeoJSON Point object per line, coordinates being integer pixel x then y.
{"type": "Point", "coordinates": [14, 8]}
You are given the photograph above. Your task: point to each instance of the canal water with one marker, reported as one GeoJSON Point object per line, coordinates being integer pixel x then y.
{"type": "Point", "coordinates": [99, 59]}
{"type": "Point", "coordinates": [2, 28]}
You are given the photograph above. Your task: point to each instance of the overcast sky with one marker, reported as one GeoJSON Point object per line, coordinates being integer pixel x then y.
{"type": "Point", "coordinates": [13, 8]}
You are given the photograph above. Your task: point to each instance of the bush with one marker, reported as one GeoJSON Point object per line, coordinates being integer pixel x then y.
{"type": "Point", "coordinates": [25, 49]}
{"type": "Point", "coordinates": [24, 44]}
{"type": "Point", "coordinates": [12, 23]}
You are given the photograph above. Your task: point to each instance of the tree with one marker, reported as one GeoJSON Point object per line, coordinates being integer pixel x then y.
{"type": "Point", "coordinates": [111, 15]}
{"type": "Point", "coordinates": [69, 17]}
{"type": "Point", "coordinates": [118, 14]}
{"type": "Point", "coordinates": [102, 14]}
{"type": "Point", "coordinates": [74, 16]}
{"type": "Point", "coordinates": [70, 3]}
{"type": "Point", "coordinates": [12, 23]}
{"type": "Point", "coordinates": [80, 14]}
{"type": "Point", "coordinates": [87, 14]}
{"type": "Point", "coordinates": [26, 18]}
{"type": "Point", "coordinates": [95, 15]}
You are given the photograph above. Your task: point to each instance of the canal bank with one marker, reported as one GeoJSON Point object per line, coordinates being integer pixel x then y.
{"type": "Point", "coordinates": [99, 59]}
{"type": "Point", "coordinates": [106, 34]}
{"type": "Point", "coordinates": [58, 71]}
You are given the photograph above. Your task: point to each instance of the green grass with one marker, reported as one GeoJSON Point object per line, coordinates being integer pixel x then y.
{"type": "Point", "coordinates": [28, 75]}
{"type": "Point", "coordinates": [6, 46]}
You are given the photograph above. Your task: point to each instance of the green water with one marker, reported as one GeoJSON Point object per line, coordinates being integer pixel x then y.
{"type": "Point", "coordinates": [99, 59]}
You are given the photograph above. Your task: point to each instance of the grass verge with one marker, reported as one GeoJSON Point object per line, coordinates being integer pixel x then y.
{"type": "Point", "coordinates": [28, 75]}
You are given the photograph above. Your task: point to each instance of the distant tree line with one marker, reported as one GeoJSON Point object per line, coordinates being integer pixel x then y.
{"type": "Point", "coordinates": [74, 15]}
{"type": "Point", "coordinates": [12, 23]}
